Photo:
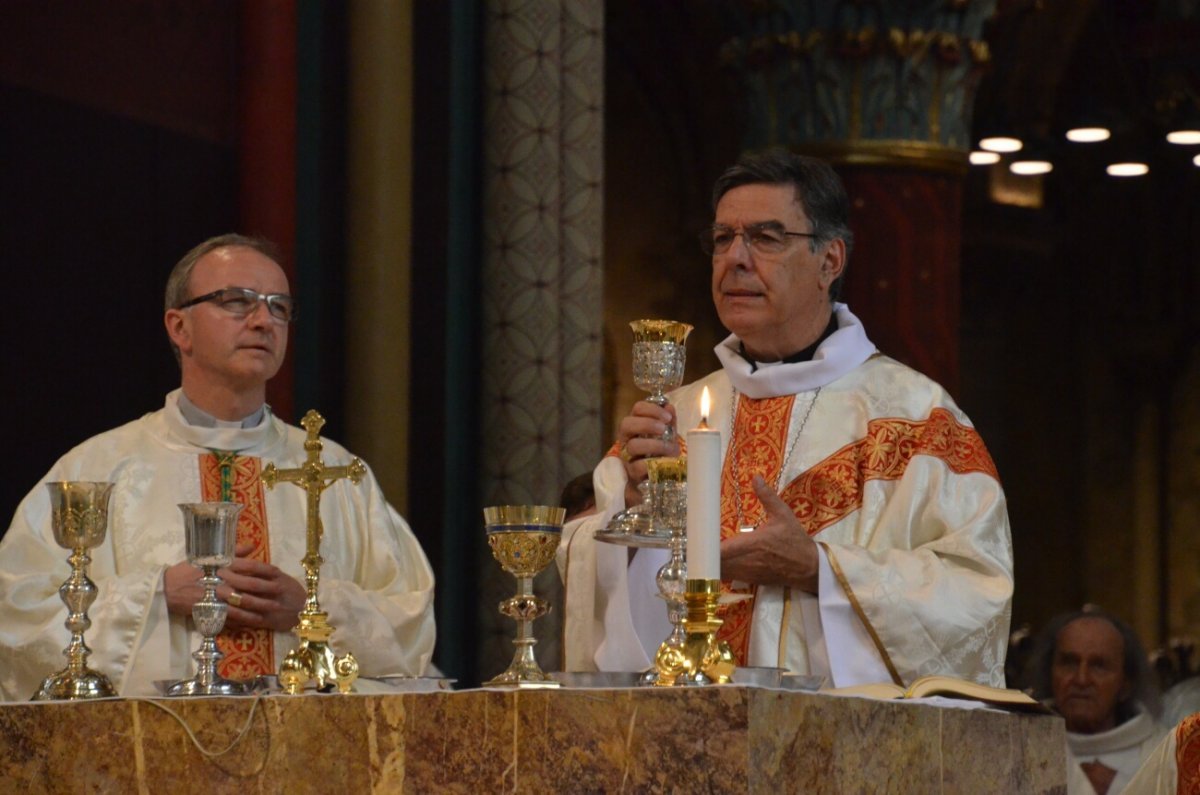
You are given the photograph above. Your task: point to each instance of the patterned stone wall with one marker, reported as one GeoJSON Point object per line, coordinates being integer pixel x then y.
{"type": "Point", "coordinates": [542, 286]}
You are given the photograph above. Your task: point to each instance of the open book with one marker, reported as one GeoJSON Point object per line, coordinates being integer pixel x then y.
{"type": "Point", "coordinates": [948, 687]}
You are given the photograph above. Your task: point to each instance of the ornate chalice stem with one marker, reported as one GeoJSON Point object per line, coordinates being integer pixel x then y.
{"type": "Point", "coordinates": [524, 608]}
{"type": "Point", "coordinates": [209, 616]}
{"type": "Point", "coordinates": [78, 593]}
{"type": "Point", "coordinates": [79, 518]}
{"type": "Point", "coordinates": [671, 579]}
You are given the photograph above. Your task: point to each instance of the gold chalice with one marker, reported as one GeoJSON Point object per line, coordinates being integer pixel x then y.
{"type": "Point", "coordinates": [523, 539]}
{"type": "Point", "coordinates": [79, 517]}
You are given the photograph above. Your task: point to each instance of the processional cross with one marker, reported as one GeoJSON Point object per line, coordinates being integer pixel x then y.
{"type": "Point", "coordinates": [314, 660]}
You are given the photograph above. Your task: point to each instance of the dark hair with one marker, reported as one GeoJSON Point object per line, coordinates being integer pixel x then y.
{"type": "Point", "coordinates": [819, 191]}
{"type": "Point", "coordinates": [1138, 674]}
{"type": "Point", "coordinates": [177, 282]}
{"type": "Point", "coordinates": [578, 495]}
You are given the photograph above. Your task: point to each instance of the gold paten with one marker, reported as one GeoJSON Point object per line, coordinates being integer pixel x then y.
{"type": "Point", "coordinates": [524, 539]}
{"type": "Point", "coordinates": [314, 660]}
{"type": "Point", "coordinates": [702, 659]}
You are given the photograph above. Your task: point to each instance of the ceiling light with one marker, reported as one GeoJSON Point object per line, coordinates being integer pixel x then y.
{"type": "Point", "coordinates": [1184, 137]}
{"type": "Point", "coordinates": [1088, 135]}
{"type": "Point", "coordinates": [979, 158]}
{"type": "Point", "coordinates": [1196, 160]}
{"type": "Point", "coordinates": [1128, 169]}
{"type": "Point", "coordinates": [1029, 168]}
{"type": "Point", "coordinates": [1001, 143]}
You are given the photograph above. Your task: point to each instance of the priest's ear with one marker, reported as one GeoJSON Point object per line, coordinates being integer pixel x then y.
{"type": "Point", "coordinates": [179, 329]}
{"type": "Point", "coordinates": [833, 261]}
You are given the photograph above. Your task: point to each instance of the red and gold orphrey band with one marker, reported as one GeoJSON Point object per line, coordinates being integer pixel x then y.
{"type": "Point", "coordinates": [758, 443]}
{"type": "Point", "coordinates": [1187, 755]}
{"type": "Point", "coordinates": [832, 489]}
{"type": "Point", "coordinates": [233, 478]}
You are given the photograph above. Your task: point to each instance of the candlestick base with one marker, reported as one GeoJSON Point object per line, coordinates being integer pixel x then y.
{"type": "Point", "coordinates": [701, 659]}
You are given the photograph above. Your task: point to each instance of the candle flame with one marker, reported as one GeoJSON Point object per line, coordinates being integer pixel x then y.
{"type": "Point", "coordinates": [705, 405]}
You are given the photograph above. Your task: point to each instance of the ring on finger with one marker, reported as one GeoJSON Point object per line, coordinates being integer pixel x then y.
{"type": "Point", "coordinates": [235, 599]}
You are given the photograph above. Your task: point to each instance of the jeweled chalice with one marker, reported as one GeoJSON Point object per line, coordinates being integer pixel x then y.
{"type": "Point", "coordinates": [523, 539]}
{"type": "Point", "coordinates": [659, 356]}
{"type": "Point", "coordinates": [79, 518]}
{"type": "Point", "coordinates": [210, 536]}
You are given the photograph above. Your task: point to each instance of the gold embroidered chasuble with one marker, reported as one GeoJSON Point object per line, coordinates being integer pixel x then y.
{"type": "Point", "coordinates": [830, 490]}
{"type": "Point", "coordinates": [893, 482]}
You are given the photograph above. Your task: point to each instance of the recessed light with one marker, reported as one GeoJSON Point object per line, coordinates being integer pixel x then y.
{"type": "Point", "coordinates": [1001, 144]}
{"type": "Point", "coordinates": [1128, 169]}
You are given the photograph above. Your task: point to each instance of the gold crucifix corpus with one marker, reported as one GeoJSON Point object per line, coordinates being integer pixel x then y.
{"type": "Point", "coordinates": [314, 660]}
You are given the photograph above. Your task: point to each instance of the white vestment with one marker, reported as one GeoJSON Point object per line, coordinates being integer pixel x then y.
{"type": "Point", "coordinates": [1122, 748]}
{"type": "Point", "coordinates": [376, 584]}
{"type": "Point", "coordinates": [888, 476]}
{"type": "Point", "coordinates": [1173, 766]}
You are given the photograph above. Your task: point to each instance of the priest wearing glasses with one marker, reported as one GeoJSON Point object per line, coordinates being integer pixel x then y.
{"type": "Point", "coordinates": [228, 311]}
{"type": "Point", "coordinates": [860, 510]}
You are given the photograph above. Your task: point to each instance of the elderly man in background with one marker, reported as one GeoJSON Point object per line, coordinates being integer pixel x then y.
{"type": "Point", "coordinates": [861, 515]}
{"type": "Point", "coordinates": [228, 309]}
{"type": "Point", "coordinates": [1091, 667]}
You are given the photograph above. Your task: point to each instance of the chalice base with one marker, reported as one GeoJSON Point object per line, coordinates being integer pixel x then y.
{"type": "Point", "coordinates": [219, 687]}
{"type": "Point", "coordinates": [70, 685]}
{"type": "Point", "coordinates": [524, 672]}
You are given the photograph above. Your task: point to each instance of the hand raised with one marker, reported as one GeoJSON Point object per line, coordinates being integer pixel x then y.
{"type": "Point", "coordinates": [777, 552]}
{"type": "Point", "coordinates": [639, 436]}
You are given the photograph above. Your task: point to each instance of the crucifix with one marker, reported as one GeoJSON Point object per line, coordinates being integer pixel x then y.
{"type": "Point", "coordinates": [314, 660]}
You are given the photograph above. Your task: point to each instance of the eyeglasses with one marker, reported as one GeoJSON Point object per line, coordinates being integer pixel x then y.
{"type": "Point", "coordinates": [241, 301]}
{"type": "Point", "coordinates": [766, 238]}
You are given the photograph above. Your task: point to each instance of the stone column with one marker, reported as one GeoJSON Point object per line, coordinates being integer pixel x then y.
{"type": "Point", "coordinates": [884, 91]}
{"type": "Point", "coordinates": [542, 289]}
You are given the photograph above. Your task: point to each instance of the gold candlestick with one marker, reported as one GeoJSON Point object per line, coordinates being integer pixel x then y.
{"type": "Point", "coordinates": [524, 539]}
{"type": "Point", "coordinates": [702, 660]}
{"type": "Point", "coordinates": [79, 518]}
{"type": "Point", "coordinates": [314, 660]}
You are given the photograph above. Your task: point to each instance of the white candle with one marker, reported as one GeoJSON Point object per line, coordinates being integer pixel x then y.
{"type": "Point", "coordinates": [704, 498]}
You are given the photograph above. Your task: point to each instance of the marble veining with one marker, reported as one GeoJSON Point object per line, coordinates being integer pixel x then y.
{"type": "Point", "coordinates": [716, 739]}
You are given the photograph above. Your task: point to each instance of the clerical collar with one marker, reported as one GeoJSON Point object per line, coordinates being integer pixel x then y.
{"type": "Point", "coordinates": [804, 355]}
{"type": "Point", "coordinates": [200, 418]}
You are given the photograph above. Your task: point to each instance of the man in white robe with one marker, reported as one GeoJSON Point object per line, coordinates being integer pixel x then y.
{"type": "Point", "coordinates": [227, 316]}
{"type": "Point", "coordinates": [878, 545]}
{"type": "Point", "coordinates": [1091, 667]}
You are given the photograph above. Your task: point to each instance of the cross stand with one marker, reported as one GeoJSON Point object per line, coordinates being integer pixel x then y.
{"type": "Point", "coordinates": [314, 660]}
